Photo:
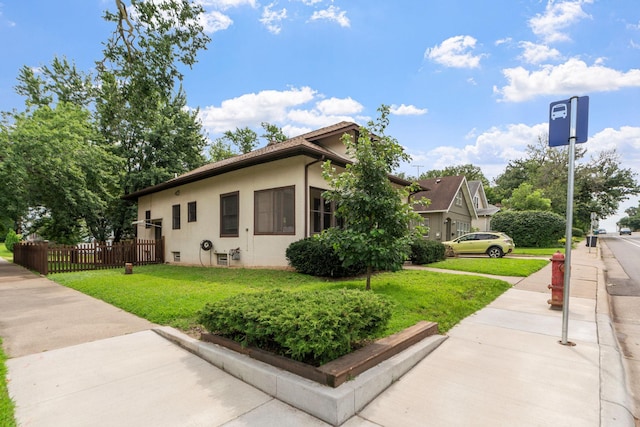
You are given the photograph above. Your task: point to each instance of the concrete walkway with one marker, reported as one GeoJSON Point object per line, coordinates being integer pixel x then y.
{"type": "Point", "coordinates": [502, 366]}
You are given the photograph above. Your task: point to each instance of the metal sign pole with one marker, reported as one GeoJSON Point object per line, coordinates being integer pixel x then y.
{"type": "Point", "coordinates": [569, 228]}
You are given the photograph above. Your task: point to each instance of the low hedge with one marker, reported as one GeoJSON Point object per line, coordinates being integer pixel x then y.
{"type": "Point", "coordinates": [317, 257]}
{"type": "Point", "coordinates": [314, 327]}
{"type": "Point", "coordinates": [426, 252]}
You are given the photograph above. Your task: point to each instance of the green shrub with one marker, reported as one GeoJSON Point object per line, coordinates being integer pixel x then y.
{"type": "Point", "coordinates": [577, 232]}
{"type": "Point", "coordinates": [11, 239]}
{"type": "Point", "coordinates": [313, 327]}
{"type": "Point", "coordinates": [426, 252]}
{"type": "Point", "coordinates": [318, 258]}
{"type": "Point", "coordinates": [530, 229]}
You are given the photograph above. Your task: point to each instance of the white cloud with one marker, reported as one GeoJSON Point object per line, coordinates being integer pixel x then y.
{"type": "Point", "coordinates": [271, 19]}
{"type": "Point", "coordinates": [538, 53]}
{"type": "Point", "coordinates": [227, 4]}
{"type": "Point", "coordinates": [315, 119]}
{"type": "Point", "coordinates": [214, 21]}
{"type": "Point", "coordinates": [294, 110]}
{"type": "Point", "coordinates": [332, 13]}
{"type": "Point", "coordinates": [556, 18]}
{"type": "Point", "coordinates": [251, 109]}
{"type": "Point", "coordinates": [455, 52]}
{"type": "Point", "coordinates": [572, 77]}
{"type": "Point", "coordinates": [506, 40]}
{"type": "Point", "coordinates": [334, 106]}
{"type": "Point", "coordinates": [407, 110]}
{"type": "Point", "coordinates": [491, 151]}
{"type": "Point", "coordinates": [625, 141]}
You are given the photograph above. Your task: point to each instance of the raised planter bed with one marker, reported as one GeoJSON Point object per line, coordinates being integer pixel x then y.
{"type": "Point", "coordinates": [344, 368]}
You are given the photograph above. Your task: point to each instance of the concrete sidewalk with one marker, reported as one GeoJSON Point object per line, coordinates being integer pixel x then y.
{"type": "Point", "coordinates": [501, 366]}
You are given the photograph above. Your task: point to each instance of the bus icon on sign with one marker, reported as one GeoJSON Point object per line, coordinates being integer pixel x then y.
{"type": "Point", "coordinates": [559, 111]}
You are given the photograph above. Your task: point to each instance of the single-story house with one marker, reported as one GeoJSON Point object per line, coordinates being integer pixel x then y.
{"type": "Point", "coordinates": [483, 208]}
{"type": "Point", "coordinates": [246, 210]}
{"type": "Point", "coordinates": [451, 211]}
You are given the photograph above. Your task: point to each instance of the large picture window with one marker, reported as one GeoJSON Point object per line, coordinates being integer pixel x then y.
{"type": "Point", "coordinates": [274, 211]}
{"type": "Point", "coordinates": [175, 217]}
{"type": "Point", "coordinates": [229, 214]}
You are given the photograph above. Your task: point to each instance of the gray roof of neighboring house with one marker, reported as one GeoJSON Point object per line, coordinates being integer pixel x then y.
{"type": "Point", "coordinates": [474, 186]}
{"type": "Point", "coordinates": [300, 145]}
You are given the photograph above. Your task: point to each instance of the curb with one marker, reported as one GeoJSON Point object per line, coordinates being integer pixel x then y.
{"type": "Point", "coordinates": [616, 405]}
{"type": "Point", "coordinates": [332, 405]}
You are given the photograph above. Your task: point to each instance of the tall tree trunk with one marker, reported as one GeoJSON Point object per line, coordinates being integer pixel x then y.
{"type": "Point", "coordinates": [369, 270]}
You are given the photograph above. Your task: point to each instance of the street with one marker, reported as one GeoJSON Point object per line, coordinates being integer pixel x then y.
{"type": "Point", "coordinates": [620, 255]}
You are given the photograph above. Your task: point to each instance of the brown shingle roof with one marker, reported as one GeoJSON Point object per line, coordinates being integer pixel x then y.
{"type": "Point", "coordinates": [299, 145]}
{"type": "Point", "coordinates": [442, 192]}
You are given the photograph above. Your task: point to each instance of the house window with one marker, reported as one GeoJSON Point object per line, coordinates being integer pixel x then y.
{"type": "Point", "coordinates": [462, 228]}
{"type": "Point", "coordinates": [321, 212]}
{"type": "Point", "coordinates": [175, 217]}
{"type": "Point", "coordinates": [476, 202]}
{"type": "Point", "coordinates": [459, 198]}
{"type": "Point", "coordinates": [191, 212]}
{"type": "Point", "coordinates": [229, 218]}
{"type": "Point", "coordinates": [274, 211]}
{"type": "Point", "coordinates": [147, 219]}
{"type": "Point", "coordinates": [425, 223]}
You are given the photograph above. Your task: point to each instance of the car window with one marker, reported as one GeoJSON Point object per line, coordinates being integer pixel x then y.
{"type": "Point", "coordinates": [488, 236]}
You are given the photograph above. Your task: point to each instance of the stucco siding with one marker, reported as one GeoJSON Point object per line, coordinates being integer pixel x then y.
{"type": "Point", "coordinates": [255, 250]}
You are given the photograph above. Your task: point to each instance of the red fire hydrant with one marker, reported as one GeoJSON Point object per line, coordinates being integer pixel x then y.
{"type": "Point", "coordinates": [557, 281]}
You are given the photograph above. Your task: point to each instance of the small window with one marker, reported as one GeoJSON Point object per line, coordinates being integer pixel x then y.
{"type": "Point", "coordinates": [274, 211]}
{"type": "Point", "coordinates": [459, 198]}
{"type": "Point", "coordinates": [175, 217]}
{"type": "Point", "coordinates": [176, 256]}
{"type": "Point", "coordinates": [229, 214]}
{"type": "Point", "coordinates": [147, 219]}
{"type": "Point", "coordinates": [191, 212]}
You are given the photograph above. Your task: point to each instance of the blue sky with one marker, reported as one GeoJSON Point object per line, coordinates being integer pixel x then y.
{"type": "Point", "coordinates": [467, 81]}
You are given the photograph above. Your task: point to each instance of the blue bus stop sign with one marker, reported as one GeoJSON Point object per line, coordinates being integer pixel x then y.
{"type": "Point", "coordinates": [560, 121]}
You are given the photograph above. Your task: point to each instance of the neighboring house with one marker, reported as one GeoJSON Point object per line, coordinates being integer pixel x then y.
{"type": "Point", "coordinates": [451, 211]}
{"type": "Point", "coordinates": [246, 210]}
{"type": "Point", "coordinates": [484, 210]}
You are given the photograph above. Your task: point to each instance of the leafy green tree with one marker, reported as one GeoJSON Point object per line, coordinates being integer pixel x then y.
{"type": "Point", "coordinates": [525, 198]}
{"type": "Point", "coordinates": [377, 219]}
{"type": "Point", "coordinates": [142, 111]}
{"type": "Point", "coordinates": [600, 183]}
{"type": "Point", "coordinates": [272, 133]}
{"type": "Point", "coordinates": [632, 220]}
{"type": "Point", "coordinates": [244, 139]}
{"type": "Point", "coordinates": [66, 174]}
{"type": "Point", "coordinates": [59, 82]}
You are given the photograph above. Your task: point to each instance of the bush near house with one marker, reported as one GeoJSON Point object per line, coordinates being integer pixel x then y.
{"type": "Point", "coordinates": [426, 252]}
{"type": "Point", "coordinates": [531, 229]}
{"type": "Point", "coordinates": [11, 239]}
{"type": "Point", "coordinates": [317, 257]}
{"type": "Point", "coordinates": [314, 327]}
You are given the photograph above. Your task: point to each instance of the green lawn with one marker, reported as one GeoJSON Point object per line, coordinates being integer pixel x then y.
{"type": "Point", "coordinates": [172, 295]}
{"type": "Point", "coordinates": [537, 251]}
{"type": "Point", "coordinates": [507, 266]}
{"type": "Point", "coordinates": [4, 253]}
{"type": "Point", "coordinates": [6, 404]}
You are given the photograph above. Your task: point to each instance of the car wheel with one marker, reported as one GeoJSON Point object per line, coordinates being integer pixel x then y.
{"type": "Point", "coordinates": [495, 252]}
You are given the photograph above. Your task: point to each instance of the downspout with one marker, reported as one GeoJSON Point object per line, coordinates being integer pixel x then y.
{"type": "Point", "coordinates": [306, 194]}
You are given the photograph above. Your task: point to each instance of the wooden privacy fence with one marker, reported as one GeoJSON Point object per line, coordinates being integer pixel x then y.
{"type": "Point", "coordinates": [46, 258]}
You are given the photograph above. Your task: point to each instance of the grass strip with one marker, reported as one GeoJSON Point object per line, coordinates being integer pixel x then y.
{"type": "Point", "coordinates": [497, 266]}
{"type": "Point", "coordinates": [173, 295]}
{"type": "Point", "coordinates": [6, 404]}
